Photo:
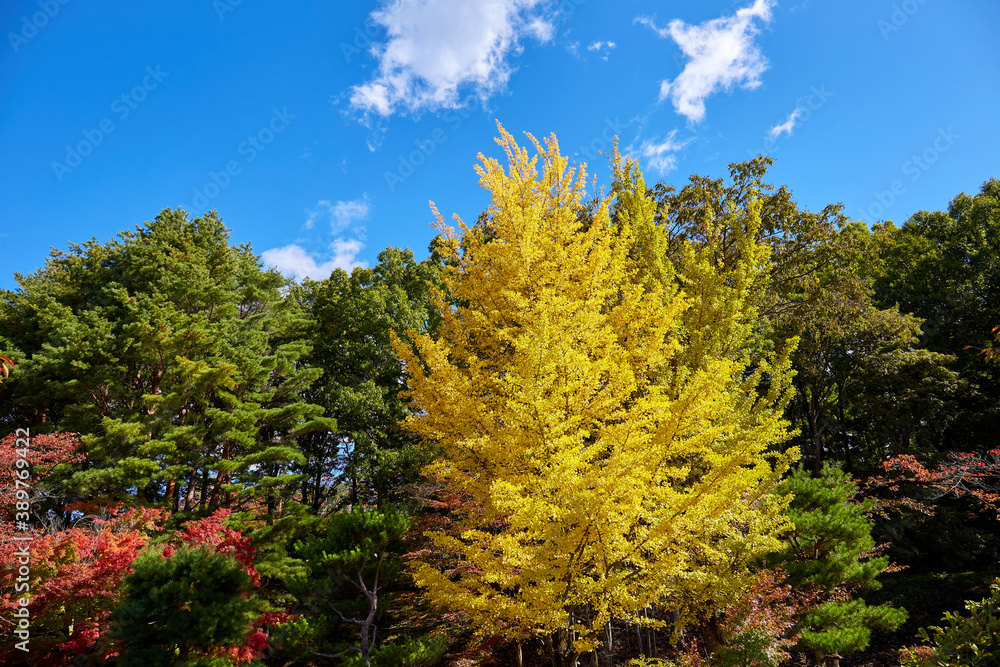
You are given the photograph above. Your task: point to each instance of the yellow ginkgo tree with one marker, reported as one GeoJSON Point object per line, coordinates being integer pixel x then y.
{"type": "Point", "coordinates": [605, 479]}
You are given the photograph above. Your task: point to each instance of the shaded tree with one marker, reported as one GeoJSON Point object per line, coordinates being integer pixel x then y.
{"type": "Point", "coordinates": [944, 267]}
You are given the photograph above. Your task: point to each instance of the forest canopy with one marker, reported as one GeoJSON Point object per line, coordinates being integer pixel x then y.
{"type": "Point", "coordinates": [694, 423]}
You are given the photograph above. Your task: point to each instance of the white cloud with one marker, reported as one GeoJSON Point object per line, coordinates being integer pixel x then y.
{"type": "Point", "coordinates": [542, 30]}
{"type": "Point", "coordinates": [721, 54]}
{"type": "Point", "coordinates": [599, 46]}
{"type": "Point", "coordinates": [345, 253]}
{"type": "Point", "coordinates": [295, 261]}
{"type": "Point", "coordinates": [341, 215]}
{"type": "Point", "coordinates": [661, 155]}
{"type": "Point", "coordinates": [789, 123]}
{"type": "Point", "coordinates": [339, 253]}
{"type": "Point", "coordinates": [435, 47]}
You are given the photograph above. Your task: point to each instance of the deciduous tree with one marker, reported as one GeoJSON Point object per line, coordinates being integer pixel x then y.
{"type": "Point", "coordinates": [609, 480]}
{"type": "Point", "coordinates": [351, 317]}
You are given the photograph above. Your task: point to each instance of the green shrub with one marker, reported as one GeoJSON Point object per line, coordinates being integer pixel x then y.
{"type": "Point", "coordinates": [403, 652]}
{"type": "Point", "coordinates": [967, 641]}
{"type": "Point", "coordinates": [183, 609]}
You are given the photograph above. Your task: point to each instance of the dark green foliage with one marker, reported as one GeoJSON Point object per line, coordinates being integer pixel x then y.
{"type": "Point", "coordinates": [178, 610]}
{"type": "Point", "coordinates": [945, 268]}
{"type": "Point", "coordinates": [352, 317]}
{"type": "Point", "coordinates": [957, 536]}
{"type": "Point", "coordinates": [404, 652]}
{"type": "Point", "coordinates": [828, 552]}
{"type": "Point", "coordinates": [349, 567]}
{"type": "Point", "coordinates": [966, 641]}
{"type": "Point", "coordinates": [863, 386]}
{"type": "Point", "coordinates": [175, 355]}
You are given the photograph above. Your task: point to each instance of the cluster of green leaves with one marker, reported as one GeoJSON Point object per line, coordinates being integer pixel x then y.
{"type": "Point", "coordinates": [944, 267]}
{"type": "Point", "coordinates": [971, 640]}
{"type": "Point", "coordinates": [188, 605]}
{"type": "Point", "coordinates": [174, 354]}
{"type": "Point", "coordinates": [351, 320]}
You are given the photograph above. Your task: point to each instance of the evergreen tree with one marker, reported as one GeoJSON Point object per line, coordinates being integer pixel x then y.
{"type": "Point", "coordinates": [174, 355]}
{"type": "Point", "coordinates": [350, 566]}
{"type": "Point", "coordinates": [185, 609]}
{"type": "Point", "coordinates": [830, 552]}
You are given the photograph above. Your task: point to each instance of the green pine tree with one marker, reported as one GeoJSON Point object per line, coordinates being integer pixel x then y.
{"type": "Point", "coordinates": [181, 609]}
{"type": "Point", "coordinates": [350, 566]}
{"type": "Point", "coordinates": [827, 553]}
{"type": "Point", "coordinates": [175, 355]}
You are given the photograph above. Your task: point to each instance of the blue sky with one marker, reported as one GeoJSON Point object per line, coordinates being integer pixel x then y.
{"type": "Point", "coordinates": [320, 130]}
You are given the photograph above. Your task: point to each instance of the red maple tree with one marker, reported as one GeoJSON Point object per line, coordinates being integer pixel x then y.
{"type": "Point", "coordinates": [77, 570]}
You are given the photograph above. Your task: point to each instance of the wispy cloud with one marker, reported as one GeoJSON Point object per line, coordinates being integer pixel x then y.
{"type": "Point", "coordinates": [541, 29]}
{"type": "Point", "coordinates": [340, 252]}
{"type": "Point", "coordinates": [435, 47]}
{"type": "Point", "coordinates": [662, 155]}
{"type": "Point", "coordinates": [340, 215]}
{"type": "Point", "coordinates": [721, 54]}
{"type": "Point", "coordinates": [599, 46]}
{"type": "Point", "coordinates": [789, 123]}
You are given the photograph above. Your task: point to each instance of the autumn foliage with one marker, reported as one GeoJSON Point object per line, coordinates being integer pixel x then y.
{"type": "Point", "coordinates": [566, 435]}
{"type": "Point", "coordinates": [961, 474]}
{"type": "Point", "coordinates": [611, 475]}
{"type": "Point", "coordinates": [78, 568]}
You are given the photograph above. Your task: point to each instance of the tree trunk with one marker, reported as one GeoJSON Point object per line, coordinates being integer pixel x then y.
{"type": "Point", "coordinates": [817, 436]}
{"type": "Point", "coordinates": [189, 497]}
{"type": "Point", "coordinates": [610, 645]}
{"type": "Point", "coordinates": [562, 649]}
{"type": "Point", "coordinates": [651, 642]}
{"type": "Point", "coordinates": [220, 479]}
{"type": "Point", "coordinates": [368, 629]}
{"type": "Point", "coordinates": [713, 633]}
{"type": "Point", "coordinates": [204, 487]}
